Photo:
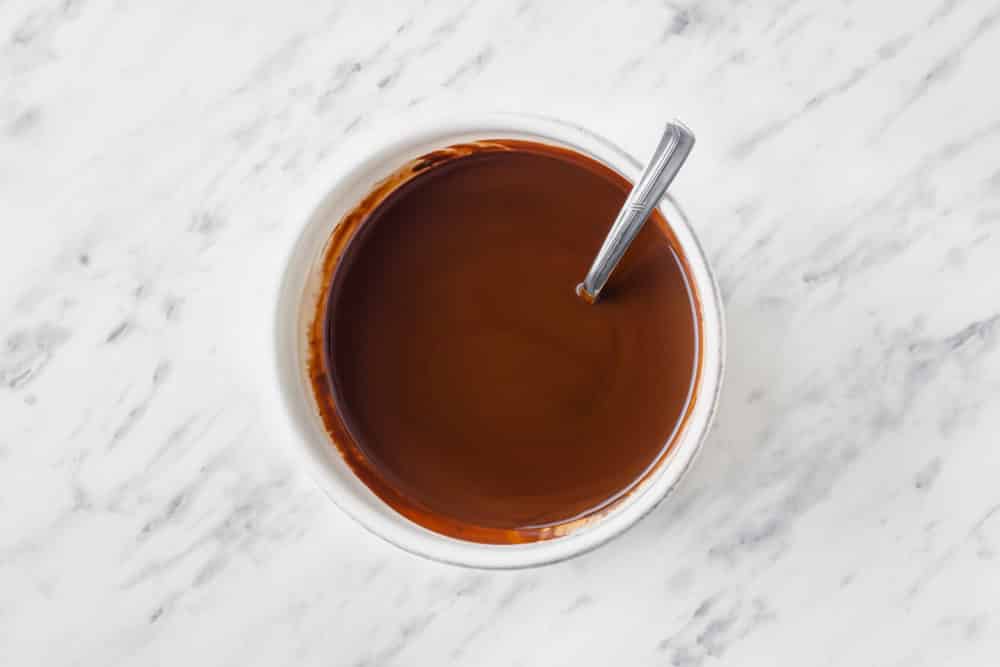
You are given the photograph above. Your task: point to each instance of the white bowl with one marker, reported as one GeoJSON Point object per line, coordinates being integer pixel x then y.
{"type": "Point", "coordinates": [344, 179]}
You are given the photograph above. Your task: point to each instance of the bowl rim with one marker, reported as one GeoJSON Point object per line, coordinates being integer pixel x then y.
{"type": "Point", "coordinates": [364, 158]}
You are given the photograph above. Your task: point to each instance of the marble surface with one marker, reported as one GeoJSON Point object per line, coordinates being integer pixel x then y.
{"type": "Point", "coordinates": [846, 185]}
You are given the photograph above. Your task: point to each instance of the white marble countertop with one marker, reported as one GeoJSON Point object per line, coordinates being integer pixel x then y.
{"type": "Point", "coordinates": [846, 184]}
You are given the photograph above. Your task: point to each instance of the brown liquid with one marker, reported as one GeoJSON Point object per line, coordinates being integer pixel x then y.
{"type": "Point", "coordinates": [459, 373]}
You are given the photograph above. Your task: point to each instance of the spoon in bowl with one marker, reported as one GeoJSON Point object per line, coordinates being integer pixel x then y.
{"type": "Point", "coordinates": [669, 156]}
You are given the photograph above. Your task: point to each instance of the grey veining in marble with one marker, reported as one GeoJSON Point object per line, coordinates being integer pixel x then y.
{"type": "Point", "coordinates": [846, 185]}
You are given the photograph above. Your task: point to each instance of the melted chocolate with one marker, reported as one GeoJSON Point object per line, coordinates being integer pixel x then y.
{"type": "Point", "coordinates": [456, 368]}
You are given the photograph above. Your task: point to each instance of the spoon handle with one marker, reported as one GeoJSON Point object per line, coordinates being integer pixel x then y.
{"type": "Point", "coordinates": [667, 160]}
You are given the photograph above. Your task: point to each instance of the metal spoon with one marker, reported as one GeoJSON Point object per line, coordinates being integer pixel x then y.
{"type": "Point", "coordinates": [667, 160]}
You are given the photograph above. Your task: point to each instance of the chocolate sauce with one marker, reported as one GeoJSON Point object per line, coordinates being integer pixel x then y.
{"type": "Point", "coordinates": [456, 368]}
